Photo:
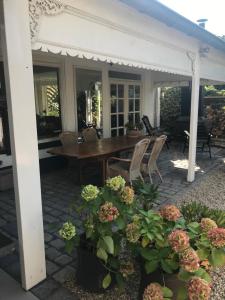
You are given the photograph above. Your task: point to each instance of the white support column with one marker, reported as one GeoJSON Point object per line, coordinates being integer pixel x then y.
{"type": "Point", "coordinates": [106, 101]}
{"type": "Point", "coordinates": [69, 108]}
{"type": "Point", "coordinates": [193, 119]}
{"type": "Point", "coordinates": [148, 96]}
{"type": "Point", "coordinates": [157, 106]}
{"type": "Point", "coordinates": [23, 133]}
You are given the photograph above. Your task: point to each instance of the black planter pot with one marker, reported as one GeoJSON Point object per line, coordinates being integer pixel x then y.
{"type": "Point", "coordinates": [170, 280]}
{"type": "Point", "coordinates": [90, 271]}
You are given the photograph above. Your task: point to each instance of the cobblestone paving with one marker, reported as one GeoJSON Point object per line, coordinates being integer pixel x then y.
{"type": "Point", "coordinates": [59, 190]}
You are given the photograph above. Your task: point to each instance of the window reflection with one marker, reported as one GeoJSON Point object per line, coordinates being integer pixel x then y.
{"type": "Point", "coordinates": [47, 101]}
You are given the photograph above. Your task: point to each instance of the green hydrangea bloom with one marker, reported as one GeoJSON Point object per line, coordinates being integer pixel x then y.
{"type": "Point", "coordinates": [116, 183]}
{"type": "Point", "coordinates": [89, 192]}
{"type": "Point", "coordinates": [68, 231]}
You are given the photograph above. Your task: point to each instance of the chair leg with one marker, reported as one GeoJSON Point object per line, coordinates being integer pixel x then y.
{"type": "Point", "coordinates": [150, 177]}
{"type": "Point", "coordinates": [160, 176]}
{"type": "Point", "coordinates": [210, 153]}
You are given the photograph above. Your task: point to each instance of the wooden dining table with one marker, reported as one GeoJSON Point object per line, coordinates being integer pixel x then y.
{"type": "Point", "coordinates": [99, 151]}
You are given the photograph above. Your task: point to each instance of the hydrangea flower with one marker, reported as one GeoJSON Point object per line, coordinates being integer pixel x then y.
{"type": "Point", "coordinates": [108, 212]}
{"type": "Point", "coordinates": [153, 292]}
{"type": "Point", "coordinates": [133, 232]}
{"type": "Point", "coordinates": [116, 183]}
{"type": "Point", "coordinates": [170, 212]}
{"type": "Point", "coordinates": [127, 195]}
{"type": "Point", "coordinates": [217, 237]}
{"type": "Point", "coordinates": [68, 231]}
{"type": "Point", "coordinates": [126, 269]}
{"type": "Point", "coordinates": [198, 289]}
{"type": "Point", "coordinates": [207, 224]}
{"type": "Point", "coordinates": [189, 260]}
{"type": "Point", "coordinates": [178, 240]}
{"type": "Point", "coordinates": [89, 192]}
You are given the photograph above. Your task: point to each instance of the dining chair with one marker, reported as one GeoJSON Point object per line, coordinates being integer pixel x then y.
{"type": "Point", "coordinates": [150, 166]}
{"type": "Point", "coordinates": [89, 134]}
{"type": "Point", "coordinates": [130, 169]}
{"type": "Point", "coordinates": [155, 131]}
{"type": "Point", "coordinates": [204, 139]}
{"type": "Point", "coordinates": [68, 138]}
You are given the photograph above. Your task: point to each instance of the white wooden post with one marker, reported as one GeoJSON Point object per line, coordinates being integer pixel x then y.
{"type": "Point", "coordinates": [157, 107]}
{"type": "Point", "coordinates": [23, 134]}
{"type": "Point", "coordinates": [148, 96]}
{"type": "Point", "coordinates": [69, 107]}
{"type": "Point", "coordinates": [106, 101]}
{"type": "Point", "coordinates": [193, 119]}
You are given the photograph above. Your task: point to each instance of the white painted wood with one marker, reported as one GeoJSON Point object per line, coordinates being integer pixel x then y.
{"type": "Point", "coordinates": [23, 133]}
{"type": "Point", "coordinates": [148, 107]}
{"type": "Point", "coordinates": [157, 107]}
{"type": "Point", "coordinates": [68, 102]}
{"type": "Point", "coordinates": [106, 101]}
{"type": "Point", "coordinates": [109, 24]}
{"type": "Point", "coordinates": [193, 120]}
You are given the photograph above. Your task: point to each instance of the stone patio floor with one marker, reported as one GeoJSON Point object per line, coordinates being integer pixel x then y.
{"type": "Point", "coordinates": [59, 190]}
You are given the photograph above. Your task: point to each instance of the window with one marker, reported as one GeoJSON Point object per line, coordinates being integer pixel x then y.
{"type": "Point", "coordinates": [89, 98]}
{"type": "Point", "coordinates": [47, 101]}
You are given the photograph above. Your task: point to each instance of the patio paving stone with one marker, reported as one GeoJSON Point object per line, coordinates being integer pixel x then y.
{"type": "Point", "coordinates": [51, 267]}
{"type": "Point", "coordinates": [64, 274]}
{"type": "Point", "coordinates": [62, 294]}
{"type": "Point", "coordinates": [63, 260]}
{"type": "Point", "coordinates": [57, 243]}
{"type": "Point", "coordinates": [52, 253]}
{"type": "Point", "coordinates": [46, 288]}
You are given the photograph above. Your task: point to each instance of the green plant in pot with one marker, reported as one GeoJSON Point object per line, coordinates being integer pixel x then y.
{"type": "Point", "coordinates": [133, 128]}
{"type": "Point", "coordinates": [106, 211]}
{"type": "Point", "coordinates": [168, 244]}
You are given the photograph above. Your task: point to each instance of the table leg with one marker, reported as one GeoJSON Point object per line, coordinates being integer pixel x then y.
{"type": "Point", "coordinates": [80, 172]}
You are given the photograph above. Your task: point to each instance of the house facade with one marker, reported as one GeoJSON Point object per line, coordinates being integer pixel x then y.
{"type": "Point", "coordinates": [67, 62]}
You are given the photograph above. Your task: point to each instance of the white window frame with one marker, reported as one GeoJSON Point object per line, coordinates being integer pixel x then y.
{"type": "Point", "coordinates": [126, 84]}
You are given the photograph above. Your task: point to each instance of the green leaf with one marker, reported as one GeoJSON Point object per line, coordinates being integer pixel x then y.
{"type": "Point", "coordinates": [202, 273]}
{"type": "Point", "coordinates": [167, 292]}
{"type": "Point", "coordinates": [203, 253]}
{"type": "Point", "coordinates": [106, 281]}
{"type": "Point", "coordinates": [149, 254]}
{"type": "Point", "coordinates": [69, 245]}
{"type": "Point", "coordinates": [109, 244]}
{"type": "Point", "coordinates": [151, 266]}
{"type": "Point", "coordinates": [120, 280]}
{"type": "Point", "coordinates": [218, 257]}
{"type": "Point", "coordinates": [120, 223]}
{"type": "Point", "coordinates": [101, 253]}
{"type": "Point", "coordinates": [166, 267]}
{"type": "Point", "coordinates": [184, 275]}
{"type": "Point", "coordinates": [182, 293]}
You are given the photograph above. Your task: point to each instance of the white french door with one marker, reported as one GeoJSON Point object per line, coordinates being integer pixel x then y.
{"type": "Point", "coordinates": [125, 105]}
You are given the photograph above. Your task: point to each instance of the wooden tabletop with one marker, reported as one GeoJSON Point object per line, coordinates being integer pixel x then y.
{"type": "Point", "coordinates": [102, 147]}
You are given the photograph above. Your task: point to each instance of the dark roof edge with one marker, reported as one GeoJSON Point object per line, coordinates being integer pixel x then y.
{"type": "Point", "coordinates": [166, 15]}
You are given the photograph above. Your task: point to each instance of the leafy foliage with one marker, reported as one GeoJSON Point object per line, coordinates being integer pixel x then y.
{"type": "Point", "coordinates": [195, 211]}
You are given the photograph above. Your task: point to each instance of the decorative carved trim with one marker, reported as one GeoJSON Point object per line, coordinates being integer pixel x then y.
{"type": "Point", "coordinates": [37, 8]}
{"type": "Point", "coordinates": [70, 50]}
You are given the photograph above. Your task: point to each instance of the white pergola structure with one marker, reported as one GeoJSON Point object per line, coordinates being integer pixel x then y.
{"type": "Point", "coordinates": [132, 34]}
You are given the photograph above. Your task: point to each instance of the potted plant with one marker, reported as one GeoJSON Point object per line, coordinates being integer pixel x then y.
{"type": "Point", "coordinates": [106, 211]}
{"type": "Point", "coordinates": [167, 244]}
{"type": "Point", "coordinates": [133, 129]}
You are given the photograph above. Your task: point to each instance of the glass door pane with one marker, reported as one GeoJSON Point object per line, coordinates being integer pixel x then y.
{"type": "Point", "coordinates": [117, 93]}
{"type": "Point", "coordinates": [134, 103]}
